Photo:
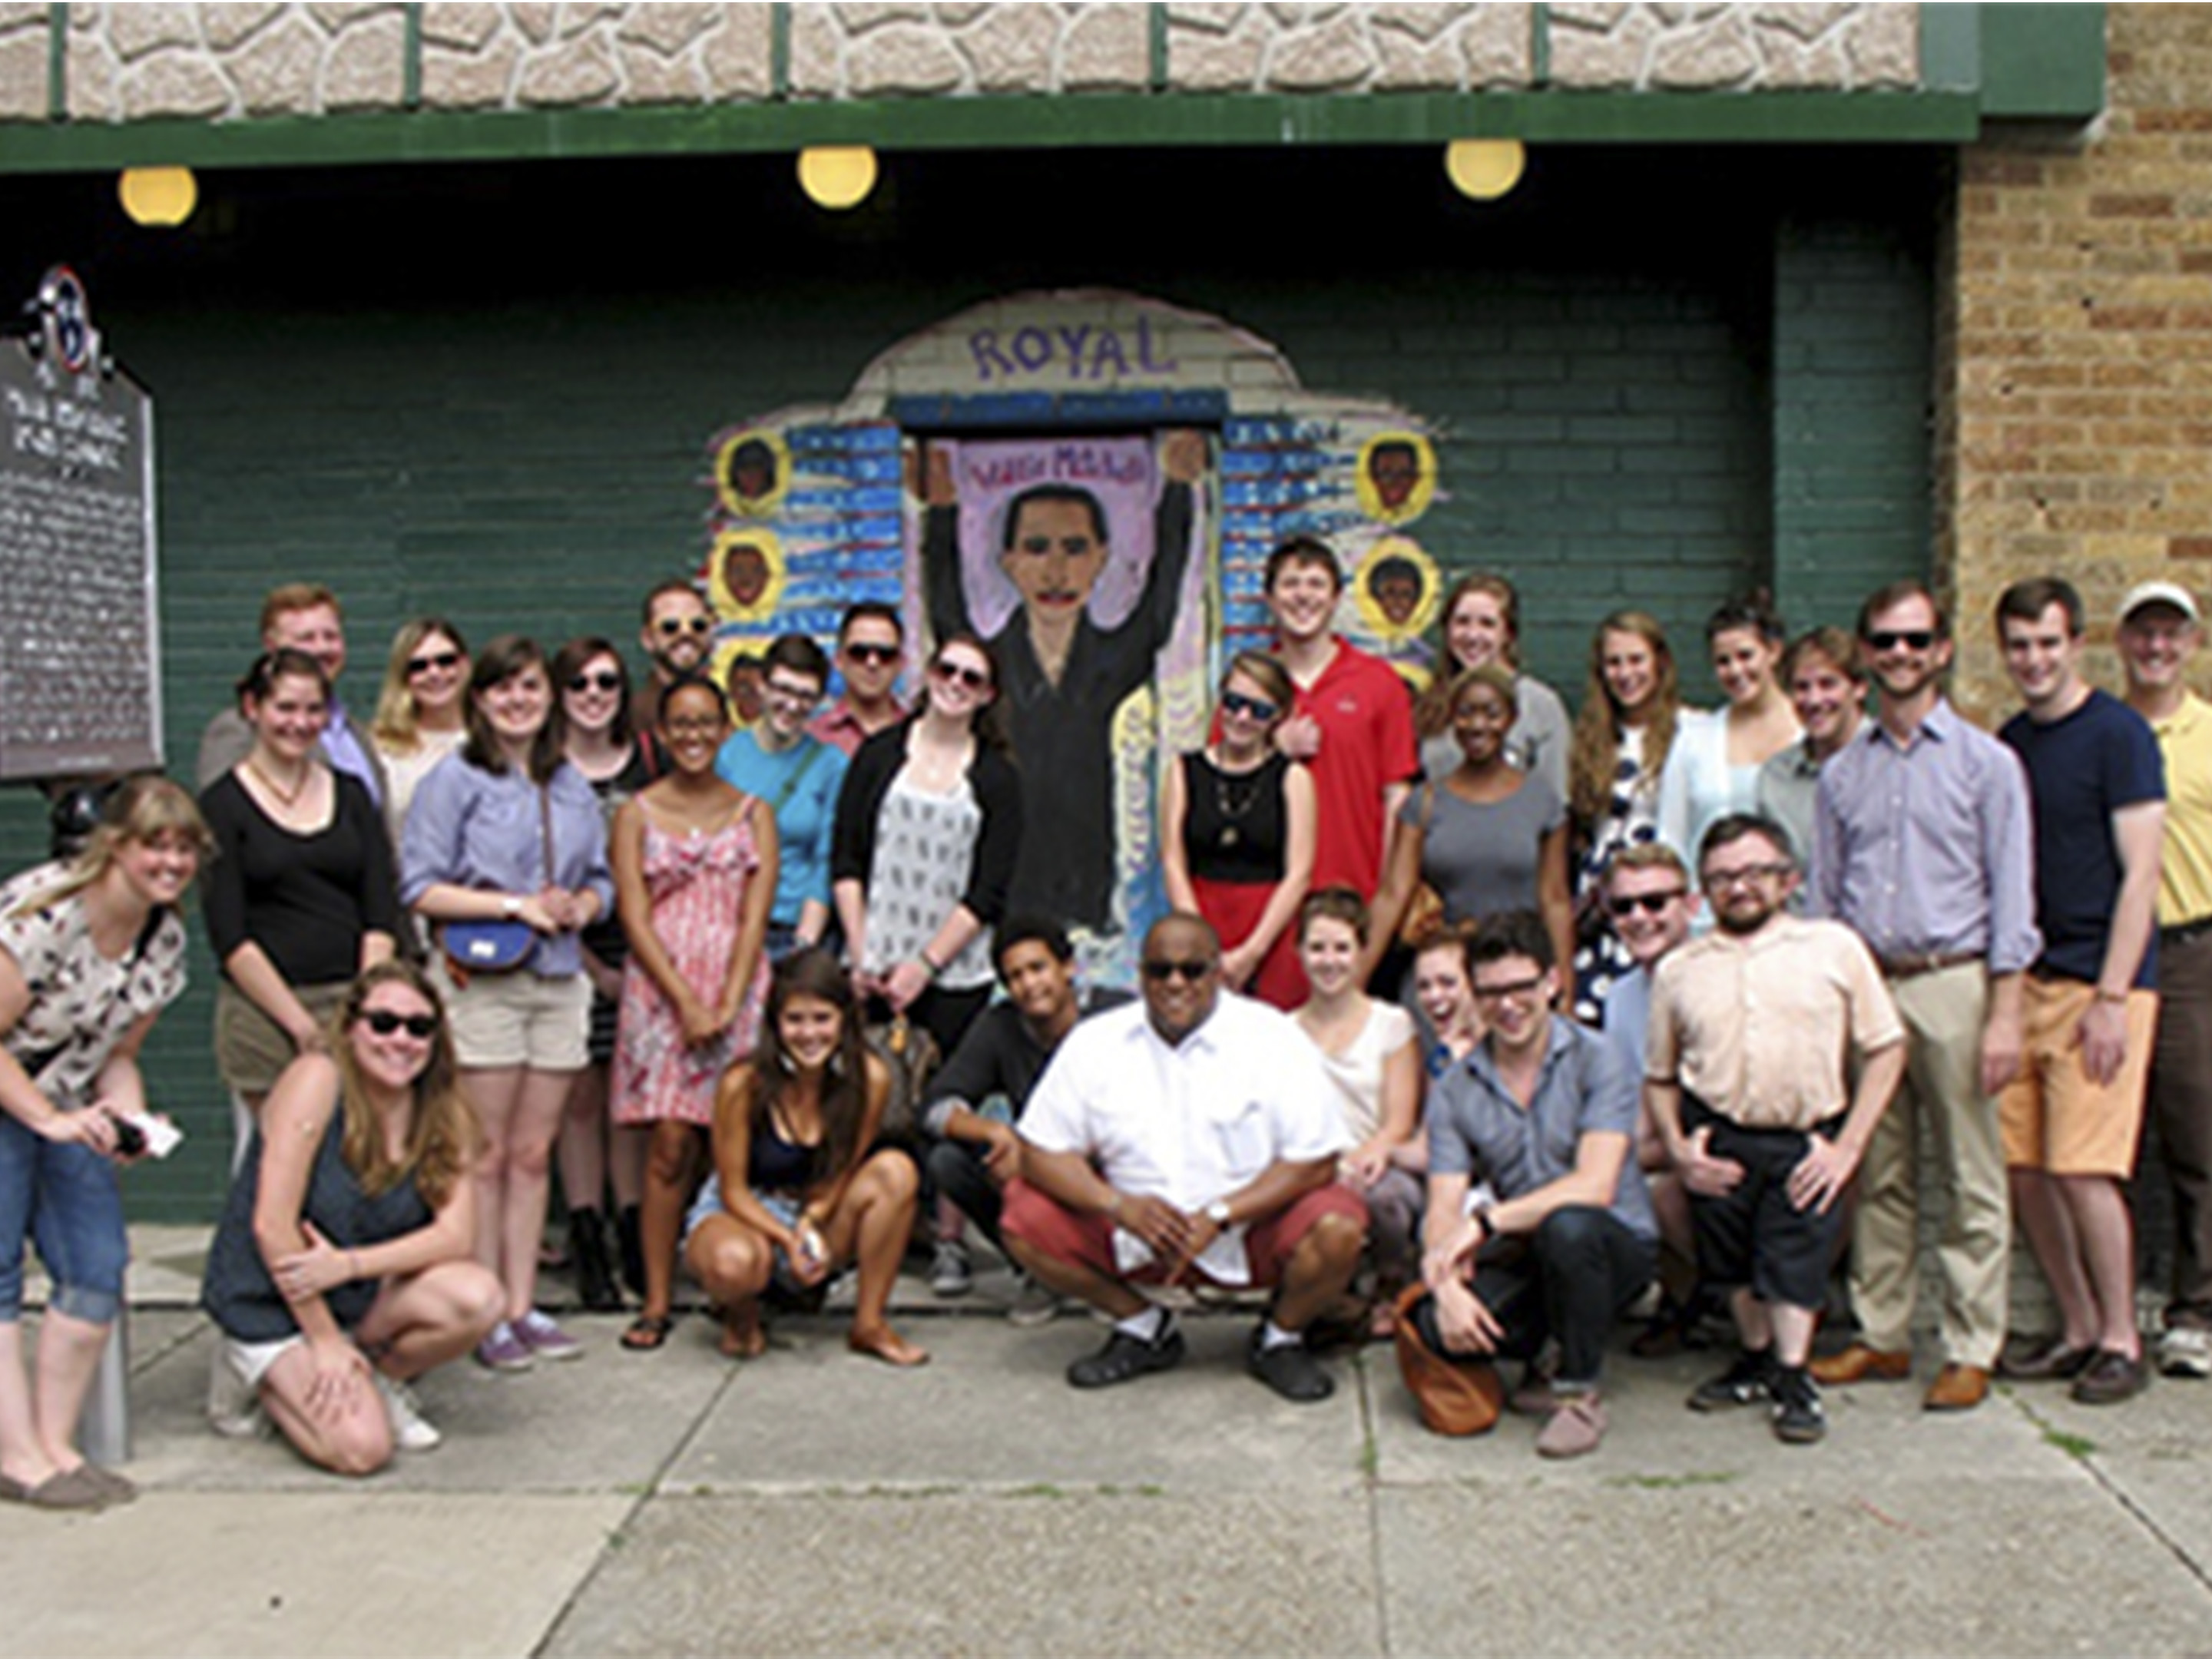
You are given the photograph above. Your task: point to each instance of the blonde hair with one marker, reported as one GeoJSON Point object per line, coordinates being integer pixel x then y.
{"type": "Point", "coordinates": [141, 810]}
{"type": "Point", "coordinates": [397, 725]}
{"type": "Point", "coordinates": [441, 1141]}
{"type": "Point", "coordinates": [1595, 750]}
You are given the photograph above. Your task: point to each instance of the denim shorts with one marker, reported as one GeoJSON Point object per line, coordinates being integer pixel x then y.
{"type": "Point", "coordinates": [64, 1199]}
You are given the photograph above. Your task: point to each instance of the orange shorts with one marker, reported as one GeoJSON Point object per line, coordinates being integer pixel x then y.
{"type": "Point", "coordinates": [2054, 1118]}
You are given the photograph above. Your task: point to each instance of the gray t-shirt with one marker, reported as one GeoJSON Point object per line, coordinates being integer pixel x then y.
{"type": "Point", "coordinates": [1584, 1087]}
{"type": "Point", "coordinates": [1539, 741]}
{"type": "Point", "coordinates": [1482, 859]}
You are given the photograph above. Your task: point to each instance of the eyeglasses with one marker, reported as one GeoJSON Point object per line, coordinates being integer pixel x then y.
{"type": "Point", "coordinates": [862, 652]}
{"type": "Point", "coordinates": [1516, 987]}
{"type": "Point", "coordinates": [1650, 903]}
{"type": "Point", "coordinates": [783, 688]}
{"type": "Point", "coordinates": [605, 680]}
{"type": "Point", "coordinates": [384, 1022]}
{"type": "Point", "coordinates": [424, 664]}
{"type": "Point", "coordinates": [1912, 639]}
{"type": "Point", "coordinates": [1193, 968]}
{"type": "Point", "coordinates": [974, 678]}
{"type": "Point", "coordinates": [672, 626]}
{"type": "Point", "coordinates": [1253, 708]}
{"type": "Point", "coordinates": [1748, 873]}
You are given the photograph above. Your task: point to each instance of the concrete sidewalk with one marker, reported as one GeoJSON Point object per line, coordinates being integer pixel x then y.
{"type": "Point", "coordinates": [814, 1502]}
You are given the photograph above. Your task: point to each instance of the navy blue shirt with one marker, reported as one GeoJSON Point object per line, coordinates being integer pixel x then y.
{"type": "Point", "coordinates": [2081, 769]}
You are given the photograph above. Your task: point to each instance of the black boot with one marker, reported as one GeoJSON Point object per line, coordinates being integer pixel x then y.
{"type": "Point", "coordinates": [595, 1279]}
{"type": "Point", "coordinates": [633, 1249]}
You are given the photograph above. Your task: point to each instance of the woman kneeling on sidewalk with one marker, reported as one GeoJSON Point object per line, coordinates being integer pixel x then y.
{"type": "Point", "coordinates": [342, 1268]}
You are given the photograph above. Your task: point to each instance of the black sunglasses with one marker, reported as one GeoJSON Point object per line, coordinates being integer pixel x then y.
{"type": "Point", "coordinates": [672, 626]}
{"type": "Point", "coordinates": [1193, 969]}
{"type": "Point", "coordinates": [605, 680]}
{"type": "Point", "coordinates": [423, 665]}
{"type": "Point", "coordinates": [863, 652]}
{"type": "Point", "coordinates": [384, 1022]}
{"type": "Point", "coordinates": [1913, 639]}
{"type": "Point", "coordinates": [1257, 708]}
{"type": "Point", "coordinates": [974, 678]}
{"type": "Point", "coordinates": [1650, 903]}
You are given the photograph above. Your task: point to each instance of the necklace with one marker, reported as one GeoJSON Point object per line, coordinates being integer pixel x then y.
{"type": "Point", "coordinates": [287, 796]}
{"type": "Point", "coordinates": [1235, 794]}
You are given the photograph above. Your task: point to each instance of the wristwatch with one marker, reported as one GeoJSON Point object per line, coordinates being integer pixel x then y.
{"type": "Point", "coordinates": [1218, 1213]}
{"type": "Point", "coordinates": [510, 907]}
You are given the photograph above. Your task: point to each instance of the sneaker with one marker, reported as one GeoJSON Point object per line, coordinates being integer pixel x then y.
{"type": "Point", "coordinates": [1575, 1428]}
{"type": "Point", "coordinates": [1126, 1357]}
{"type": "Point", "coordinates": [1033, 1305]}
{"type": "Point", "coordinates": [1745, 1383]}
{"type": "Point", "coordinates": [411, 1429]}
{"type": "Point", "coordinates": [503, 1351]}
{"type": "Point", "coordinates": [2185, 1350]}
{"type": "Point", "coordinates": [950, 1275]}
{"type": "Point", "coordinates": [234, 1405]}
{"type": "Point", "coordinates": [546, 1339]}
{"type": "Point", "coordinates": [1799, 1419]}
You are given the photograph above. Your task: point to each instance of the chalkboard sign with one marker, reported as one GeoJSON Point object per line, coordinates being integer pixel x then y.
{"type": "Point", "coordinates": [79, 647]}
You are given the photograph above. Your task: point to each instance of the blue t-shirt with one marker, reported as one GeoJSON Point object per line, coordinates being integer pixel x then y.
{"type": "Point", "coordinates": [800, 786]}
{"type": "Point", "coordinates": [2083, 768]}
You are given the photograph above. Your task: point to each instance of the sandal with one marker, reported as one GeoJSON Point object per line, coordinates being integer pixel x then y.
{"type": "Point", "coordinates": [648, 1332]}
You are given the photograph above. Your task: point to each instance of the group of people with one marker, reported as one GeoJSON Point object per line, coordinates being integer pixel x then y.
{"type": "Point", "coordinates": [1437, 1045]}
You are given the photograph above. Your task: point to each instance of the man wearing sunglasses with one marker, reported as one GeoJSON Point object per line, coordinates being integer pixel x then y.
{"type": "Point", "coordinates": [678, 633]}
{"type": "Point", "coordinates": [1192, 1137]}
{"type": "Point", "coordinates": [871, 651]}
{"type": "Point", "coordinates": [1922, 847]}
{"type": "Point", "coordinates": [1753, 1028]}
{"type": "Point", "coordinates": [300, 617]}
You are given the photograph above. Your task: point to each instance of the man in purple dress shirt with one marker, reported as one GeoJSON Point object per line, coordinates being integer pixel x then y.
{"type": "Point", "coordinates": [299, 617]}
{"type": "Point", "coordinates": [1922, 845]}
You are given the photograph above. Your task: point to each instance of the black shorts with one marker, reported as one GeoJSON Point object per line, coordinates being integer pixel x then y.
{"type": "Point", "coordinates": [1753, 1235]}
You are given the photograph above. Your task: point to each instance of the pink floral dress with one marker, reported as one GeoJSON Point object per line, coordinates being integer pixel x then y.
{"type": "Point", "coordinates": [696, 884]}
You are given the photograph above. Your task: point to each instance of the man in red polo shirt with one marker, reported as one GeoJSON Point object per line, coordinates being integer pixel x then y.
{"type": "Point", "coordinates": [1354, 722]}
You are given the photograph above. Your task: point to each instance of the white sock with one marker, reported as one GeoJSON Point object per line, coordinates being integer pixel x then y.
{"type": "Point", "coordinates": [1273, 1335]}
{"type": "Point", "coordinates": [1149, 1325]}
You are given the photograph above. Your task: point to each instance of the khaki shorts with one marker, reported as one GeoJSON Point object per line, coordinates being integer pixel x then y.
{"type": "Point", "coordinates": [521, 1018]}
{"type": "Point", "coordinates": [251, 1050]}
{"type": "Point", "coordinates": [2053, 1117]}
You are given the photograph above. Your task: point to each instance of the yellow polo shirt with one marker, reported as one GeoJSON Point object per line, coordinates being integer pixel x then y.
{"type": "Point", "coordinates": [2185, 874]}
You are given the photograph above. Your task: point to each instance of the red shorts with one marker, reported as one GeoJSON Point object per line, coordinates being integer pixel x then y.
{"type": "Point", "coordinates": [1047, 1225]}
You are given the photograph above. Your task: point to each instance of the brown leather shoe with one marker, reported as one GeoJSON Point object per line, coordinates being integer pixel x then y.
{"type": "Point", "coordinates": [1957, 1389]}
{"type": "Point", "coordinates": [1860, 1363]}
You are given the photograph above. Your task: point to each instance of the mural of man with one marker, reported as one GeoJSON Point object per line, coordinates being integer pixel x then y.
{"type": "Point", "coordinates": [1396, 585]}
{"type": "Point", "coordinates": [1394, 468]}
{"type": "Point", "coordinates": [1061, 674]}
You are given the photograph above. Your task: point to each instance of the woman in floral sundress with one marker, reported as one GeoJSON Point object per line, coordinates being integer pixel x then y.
{"type": "Point", "coordinates": [694, 873]}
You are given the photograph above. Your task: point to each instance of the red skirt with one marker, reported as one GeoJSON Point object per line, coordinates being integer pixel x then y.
{"type": "Point", "coordinates": [1235, 908]}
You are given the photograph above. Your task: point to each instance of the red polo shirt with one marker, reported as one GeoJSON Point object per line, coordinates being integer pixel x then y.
{"type": "Point", "coordinates": [1367, 744]}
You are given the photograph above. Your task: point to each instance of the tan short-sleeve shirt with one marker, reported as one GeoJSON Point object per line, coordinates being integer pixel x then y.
{"type": "Point", "coordinates": [1761, 1028]}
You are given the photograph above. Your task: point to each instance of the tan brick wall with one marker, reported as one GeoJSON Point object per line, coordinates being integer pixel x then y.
{"type": "Point", "coordinates": [2074, 359]}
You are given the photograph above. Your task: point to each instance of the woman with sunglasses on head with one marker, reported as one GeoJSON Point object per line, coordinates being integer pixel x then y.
{"type": "Point", "coordinates": [508, 831]}
{"type": "Point", "coordinates": [300, 897]}
{"type": "Point", "coordinates": [1482, 624]}
{"type": "Point", "coordinates": [341, 1270]}
{"type": "Point", "coordinates": [1237, 833]}
{"type": "Point", "coordinates": [597, 739]}
{"type": "Point", "coordinates": [1713, 768]}
{"type": "Point", "coordinates": [1488, 836]}
{"type": "Point", "coordinates": [695, 874]}
{"type": "Point", "coordinates": [800, 1188]}
{"type": "Point", "coordinates": [421, 713]}
{"type": "Point", "coordinates": [90, 952]}
{"type": "Point", "coordinates": [928, 823]}
{"type": "Point", "coordinates": [798, 776]}
{"type": "Point", "coordinates": [1631, 710]}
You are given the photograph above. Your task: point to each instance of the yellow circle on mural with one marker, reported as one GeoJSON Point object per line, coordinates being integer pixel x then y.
{"type": "Point", "coordinates": [1397, 476]}
{"type": "Point", "coordinates": [1397, 588]}
{"type": "Point", "coordinates": [745, 574]}
{"type": "Point", "coordinates": [752, 471]}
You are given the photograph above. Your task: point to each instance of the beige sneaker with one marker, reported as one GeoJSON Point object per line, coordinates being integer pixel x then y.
{"type": "Point", "coordinates": [1575, 1428]}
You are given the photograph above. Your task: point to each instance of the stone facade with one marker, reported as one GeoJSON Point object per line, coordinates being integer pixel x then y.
{"type": "Point", "coordinates": [2074, 376]}
{"type": "Point", "coordinates": [259, 59]}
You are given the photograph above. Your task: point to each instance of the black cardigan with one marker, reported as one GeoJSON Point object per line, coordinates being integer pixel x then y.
{"type": "Point", "coordinates": [997, 789]}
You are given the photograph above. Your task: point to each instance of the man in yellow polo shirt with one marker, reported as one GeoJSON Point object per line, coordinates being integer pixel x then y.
{"type": "Point", "coordinates": [2159, 629]}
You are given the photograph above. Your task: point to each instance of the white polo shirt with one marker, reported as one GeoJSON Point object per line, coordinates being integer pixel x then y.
{"type": "Point", "coordinates": [1189, 1123]}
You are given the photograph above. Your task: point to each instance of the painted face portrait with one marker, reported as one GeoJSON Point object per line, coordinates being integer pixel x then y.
{"type": "Point", "coordinates": [1394, 469]}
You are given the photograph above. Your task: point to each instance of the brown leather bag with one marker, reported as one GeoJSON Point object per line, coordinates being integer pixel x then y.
{"type": "Point", "coordinates": [1456, 1397]}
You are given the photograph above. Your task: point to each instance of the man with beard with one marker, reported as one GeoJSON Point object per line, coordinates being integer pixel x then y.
{"type": "Point", "coordinates": [1753, 1028]}
{"type": "Point", "coordinates": [677, 632]}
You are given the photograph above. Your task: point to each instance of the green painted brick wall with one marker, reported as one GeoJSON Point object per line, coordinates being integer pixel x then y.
{"type": "Point", "coordinates": [438, 391]}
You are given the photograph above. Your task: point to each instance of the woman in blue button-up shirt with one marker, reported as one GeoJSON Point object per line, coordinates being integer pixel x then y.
{"type": "Point", "coordinates": [505, 829]}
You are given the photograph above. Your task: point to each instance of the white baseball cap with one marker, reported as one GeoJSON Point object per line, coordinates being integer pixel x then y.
{"type": "Point", "coordinates": [2172, 594]}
